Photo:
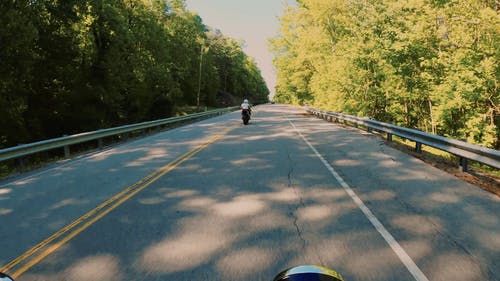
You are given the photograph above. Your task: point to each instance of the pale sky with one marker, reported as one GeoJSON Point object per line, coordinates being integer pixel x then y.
{"type": "Point", "coordinates": [254, 21]}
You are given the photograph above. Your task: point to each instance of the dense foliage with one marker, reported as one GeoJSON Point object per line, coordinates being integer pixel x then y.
{"type": "Point", "coordinates": [77, 65]}
{"type": "Point", "coordinates": [427, 64]}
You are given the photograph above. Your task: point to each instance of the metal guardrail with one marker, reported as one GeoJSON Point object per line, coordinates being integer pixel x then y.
{"type": "Point", "coordinates": [464, 150]}
{"type": "Point", "coordinates": [20, 151]}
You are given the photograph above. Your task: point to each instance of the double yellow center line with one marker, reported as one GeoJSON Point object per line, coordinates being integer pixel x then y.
{"type": "Point", "coordinates": [34, 255]}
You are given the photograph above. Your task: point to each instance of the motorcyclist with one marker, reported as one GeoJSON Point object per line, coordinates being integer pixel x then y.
{"type": "Point", "coordinates": [246, 106]}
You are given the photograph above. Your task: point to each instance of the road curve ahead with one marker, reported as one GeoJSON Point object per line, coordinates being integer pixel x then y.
{"type": "Point", "coordinates": [217, 200]}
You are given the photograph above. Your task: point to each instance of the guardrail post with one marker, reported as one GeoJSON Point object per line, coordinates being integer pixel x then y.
{"type": "Point", "coordinates": [418, 147]}
{"type": "Point", "coordinates": [66, 151]}
{"type": "Point", "coordinates": [20, 164]}
{"type": "Point", "coordinates": [389, 136]}
{"type": "Point", "coordinates": [463, 164]}
{"type": "Point", "coordinates": [369, 129]}
{"type": "Point", "coordinates": [100, 144]}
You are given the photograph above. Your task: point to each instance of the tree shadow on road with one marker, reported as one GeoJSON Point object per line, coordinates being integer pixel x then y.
{"type": "Point", "coordinates": [270, 204]}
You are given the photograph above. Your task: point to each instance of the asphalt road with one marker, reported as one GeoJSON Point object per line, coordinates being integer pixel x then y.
{"type": "Point", "coordinates": [217, 200]}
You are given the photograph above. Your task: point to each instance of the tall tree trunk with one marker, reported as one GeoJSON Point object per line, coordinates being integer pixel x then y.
{"type": "Point", "coordinates": [433, 123]}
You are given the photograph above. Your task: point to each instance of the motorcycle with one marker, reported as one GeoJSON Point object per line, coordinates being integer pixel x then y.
{"type": "Point", "coordinates": [5, 277]}
{"type": "Point", "coordinates": [245, 116]}
{"type": "Point", "coordinates": [308, 273]}
{"type": "Point", "coordinates": [297, 273]}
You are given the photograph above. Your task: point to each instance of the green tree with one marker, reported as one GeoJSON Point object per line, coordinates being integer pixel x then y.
{"type": "Point", "coordinates": [81, 65]}
{"type": "Point", "coordinates": [18, 51]}
{"type": "Point", "coordinates": [431, 65]}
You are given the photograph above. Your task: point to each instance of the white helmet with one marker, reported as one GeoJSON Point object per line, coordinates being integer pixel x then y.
{"type": "Point", "coordinates": [245, 101]}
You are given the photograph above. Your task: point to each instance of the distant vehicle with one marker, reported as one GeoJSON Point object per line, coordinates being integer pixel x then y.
{"type": "Point", "coordinates": [245, 116]}
{"type": "Point", "coordinates": [273, 102]}
{"type": "Point", "coordinates": [246, 111]}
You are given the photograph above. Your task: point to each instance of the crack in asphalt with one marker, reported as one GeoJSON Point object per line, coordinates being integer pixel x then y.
{"type": "Point", "coordinates": [293, 211]}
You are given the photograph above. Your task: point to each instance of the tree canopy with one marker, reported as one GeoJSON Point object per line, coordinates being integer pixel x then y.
{"type": "Point", "coordinates": [425, 64]}
{"type": "Point", "coordinates": [77, 65]}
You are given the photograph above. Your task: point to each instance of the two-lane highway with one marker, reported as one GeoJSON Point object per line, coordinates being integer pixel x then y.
{"type": "Point", "coordinates": [217, 200]}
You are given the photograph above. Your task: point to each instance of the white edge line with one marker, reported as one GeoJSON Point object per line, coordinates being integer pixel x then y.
{"type": "Point", "coordinates": [400, 252]}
